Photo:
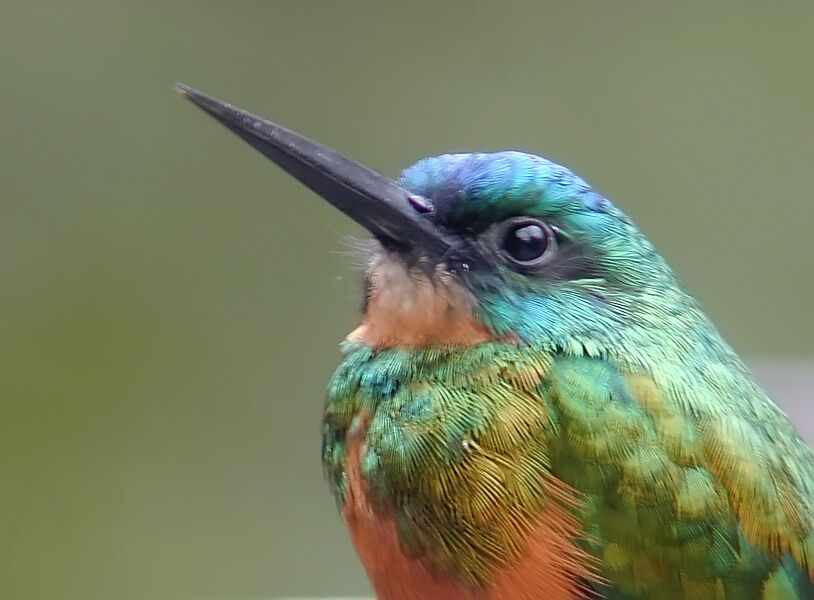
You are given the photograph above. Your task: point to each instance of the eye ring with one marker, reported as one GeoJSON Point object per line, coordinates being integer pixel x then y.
{"type": "Point", "coordinates": [525, 242]}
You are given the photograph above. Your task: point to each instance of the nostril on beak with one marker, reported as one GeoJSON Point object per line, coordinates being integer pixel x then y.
{"type": "Point", "coordinates": [420, 203]}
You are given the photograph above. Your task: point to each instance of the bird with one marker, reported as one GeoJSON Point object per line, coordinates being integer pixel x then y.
{"type": "Point", "coordinates": [533, 406]}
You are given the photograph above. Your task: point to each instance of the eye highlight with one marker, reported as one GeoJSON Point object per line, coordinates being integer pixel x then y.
{"type": "Point", "coordinates": [525, 242]}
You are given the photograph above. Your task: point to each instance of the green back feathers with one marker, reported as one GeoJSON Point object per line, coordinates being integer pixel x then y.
{"type": "Point", "coordinates": [674, 502]}
{"type": "Point", "coordinates": [686, 481]}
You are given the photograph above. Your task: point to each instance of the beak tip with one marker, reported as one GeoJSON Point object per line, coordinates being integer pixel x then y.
{"type": "Point", "coordinates": [183, 89]}
{"type": "Point", "coordinates": [204, 101]}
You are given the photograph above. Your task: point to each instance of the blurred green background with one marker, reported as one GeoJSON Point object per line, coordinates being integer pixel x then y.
{"type": "Point", "coordinates": [172, 303]}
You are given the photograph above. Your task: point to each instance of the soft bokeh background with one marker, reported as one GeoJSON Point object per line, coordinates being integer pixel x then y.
{"type": "Point", "coordinates": [171, 303]}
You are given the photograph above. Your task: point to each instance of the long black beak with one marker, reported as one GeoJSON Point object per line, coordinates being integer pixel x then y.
{"type": "Point", "coordinates": [377, 203]}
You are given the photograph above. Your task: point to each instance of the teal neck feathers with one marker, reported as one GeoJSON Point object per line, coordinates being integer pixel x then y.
{"type": "Point", "coordinates": [591, 367]}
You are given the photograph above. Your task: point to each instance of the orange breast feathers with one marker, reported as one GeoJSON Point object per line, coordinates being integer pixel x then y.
{"type": "Point", "coordinates": [406, 308]}
{"type": "Point", "coordinates": [553, 566]}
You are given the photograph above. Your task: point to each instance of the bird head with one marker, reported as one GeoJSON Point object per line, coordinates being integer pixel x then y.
{"type": "Point", "coordinates": [474, 247]}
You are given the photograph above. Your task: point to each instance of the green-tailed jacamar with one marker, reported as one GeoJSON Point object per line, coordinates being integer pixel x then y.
{"type": "Point", "coordinates": [532, 406]}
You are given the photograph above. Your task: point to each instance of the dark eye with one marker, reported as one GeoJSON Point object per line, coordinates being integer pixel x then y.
{"type": "Point", "coordinates": [528, 242]}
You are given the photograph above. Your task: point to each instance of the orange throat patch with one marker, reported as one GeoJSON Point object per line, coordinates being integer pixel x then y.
{"type": "Point", "coordinates": [405, 308]}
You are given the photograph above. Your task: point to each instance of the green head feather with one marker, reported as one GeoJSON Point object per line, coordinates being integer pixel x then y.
{"type": "Point", "coordinates": [604, 375]}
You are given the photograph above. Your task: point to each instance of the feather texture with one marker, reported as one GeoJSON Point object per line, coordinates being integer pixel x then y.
{"type": "Point", "coordinates": [596, 402]}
